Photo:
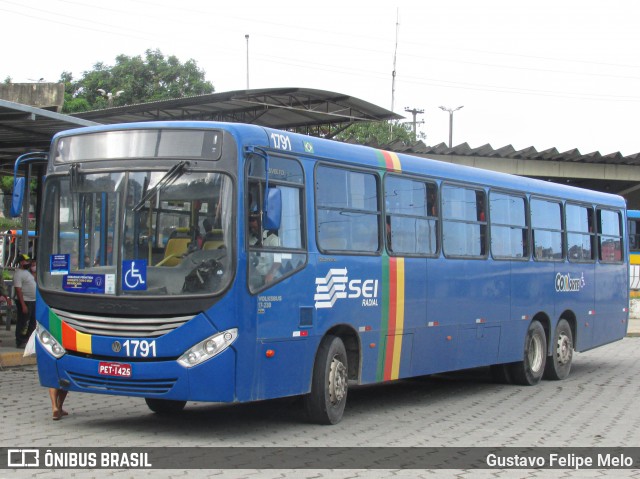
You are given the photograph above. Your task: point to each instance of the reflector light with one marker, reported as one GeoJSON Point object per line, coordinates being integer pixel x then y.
{"type": "Point", "coordinates": [270, 353]}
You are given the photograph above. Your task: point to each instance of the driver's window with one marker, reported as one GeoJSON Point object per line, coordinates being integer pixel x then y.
{"type": "Point", "coordinates": [274, 254]}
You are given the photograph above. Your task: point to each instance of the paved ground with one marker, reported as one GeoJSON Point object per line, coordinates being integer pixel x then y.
{"type": "Point", "coordinates": [595, 406]}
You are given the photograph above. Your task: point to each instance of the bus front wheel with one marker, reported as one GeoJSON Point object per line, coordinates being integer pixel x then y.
{"type": "Point", "coordinates": [529, 371]}
{"type": "Point", "coordinates": [165, 406]}
{"type": "Point", "coordinates": [325, 403]}
{"type": "Point", "coordinates": [559, 364]}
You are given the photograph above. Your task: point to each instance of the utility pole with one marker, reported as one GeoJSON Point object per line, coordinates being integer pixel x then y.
{"type": "Point", "coordinates": [395, 56]}
{"type": "Point", "coordinates": [415, 112]}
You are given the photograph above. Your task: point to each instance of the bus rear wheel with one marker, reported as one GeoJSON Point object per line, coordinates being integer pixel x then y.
{"type": "Point", "coordinates": [559, 364]}
{"type": "Point", "coordinates": [529, 371]}
{"type": "Point", "coordinates": [329, 385]}
{"type": "Point", "coordinates": [165, 406]}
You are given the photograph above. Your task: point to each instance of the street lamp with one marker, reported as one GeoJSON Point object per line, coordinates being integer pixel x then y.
{"type": "Point", "coordinates": [110, 96]}
{"type": "Point", "coordinates": [247, 37]}
{"type": "Point", "coordinates": [450, 121]}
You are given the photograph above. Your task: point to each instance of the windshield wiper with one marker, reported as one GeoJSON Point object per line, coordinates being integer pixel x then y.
{"type": "Point", "coordinates": [172, 175]}
{"type": "Point", "coordinates": [74, 181]}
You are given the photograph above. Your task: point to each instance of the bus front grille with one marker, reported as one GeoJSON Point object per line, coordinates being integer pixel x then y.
{"type": "Point", "coordinates": [123, 385]}
{"type": "Point", "coordinates": [118, 326]}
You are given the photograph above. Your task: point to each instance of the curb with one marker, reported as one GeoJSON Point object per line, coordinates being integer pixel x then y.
{"type": "Point", "coordinates": [8, 360]}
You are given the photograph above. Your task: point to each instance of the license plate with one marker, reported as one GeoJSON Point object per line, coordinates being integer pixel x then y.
{"type": "Point", "coordinates": [115, 369]}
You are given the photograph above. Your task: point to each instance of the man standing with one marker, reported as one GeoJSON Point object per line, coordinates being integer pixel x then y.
{"type": "Point", "coordinates": [24, 283]}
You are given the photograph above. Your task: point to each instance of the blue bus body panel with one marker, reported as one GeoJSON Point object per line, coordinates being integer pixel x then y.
{"type": "Point", "coordinates": [612, 285]}
{"type": "Point", "coordinates": [213, 380]}
{"type": "Point", "coordinates": [160, 376]}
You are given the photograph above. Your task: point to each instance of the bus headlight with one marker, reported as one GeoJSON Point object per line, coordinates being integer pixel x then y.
{"type": "Point", "coordinates": [210, 347]}
{"type": "Point", "coordinates": [49, 342]}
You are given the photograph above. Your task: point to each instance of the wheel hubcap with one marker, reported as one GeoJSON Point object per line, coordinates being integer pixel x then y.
{"type": "Point", "coordinates": [535, 353]}
{"type": "Point", "coordinates": [337, 381]}
{"type": "Point", "coordinates": [564, 349]}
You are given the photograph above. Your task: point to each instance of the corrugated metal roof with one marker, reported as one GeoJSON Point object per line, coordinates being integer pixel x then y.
{"type": "Point", "coordinates": [282, 108]}
{"type": "Point", "coordinates": [26, 128]}
{"type": "Point", "coordinates": [508, 152]}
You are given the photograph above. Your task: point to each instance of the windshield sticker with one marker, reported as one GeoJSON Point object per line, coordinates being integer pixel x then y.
{"type": "Point", "coordinates": [59, 264]}
{"type": "Point", "coordinates": [84, 283]}
{"type": "Point", "coordinates": [134, 275]}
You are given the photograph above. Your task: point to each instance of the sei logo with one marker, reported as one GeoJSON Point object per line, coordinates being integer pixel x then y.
{"type": "Point", "coordinates": [336, 285]}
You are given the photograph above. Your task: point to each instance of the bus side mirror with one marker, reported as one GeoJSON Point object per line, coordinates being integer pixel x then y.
{"type": "Point", "coordinates": [17, 197]}
{"type": "Point", "coordinates": [273, 211]}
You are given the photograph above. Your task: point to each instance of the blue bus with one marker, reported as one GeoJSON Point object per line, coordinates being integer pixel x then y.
{"type": "Point", "coordinates": [204, 261]}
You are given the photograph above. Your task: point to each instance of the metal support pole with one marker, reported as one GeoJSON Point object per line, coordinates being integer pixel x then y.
{"type": "Point", "coordinates": [247, 37]}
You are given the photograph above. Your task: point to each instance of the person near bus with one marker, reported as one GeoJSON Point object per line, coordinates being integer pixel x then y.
{"type": "Point", "coordinates": [57, 396]}
{"type": "Point", "coordinates": [265, 266]}
{"type": "Point", "coordinates": [24, 283]}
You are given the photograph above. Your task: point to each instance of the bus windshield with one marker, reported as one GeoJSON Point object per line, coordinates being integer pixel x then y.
{"type": "Point", "coordinates": [138, 232]}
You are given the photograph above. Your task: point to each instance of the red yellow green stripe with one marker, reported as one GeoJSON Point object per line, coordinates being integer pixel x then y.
{"type": "Point", "coordinates": [71, 339]}
{"type": "Point", "coordinates": [389, 160]}
{"type": "Point", "coordinates": [395, 323]}
{"type": "Point", "coordinates": [392, 301]}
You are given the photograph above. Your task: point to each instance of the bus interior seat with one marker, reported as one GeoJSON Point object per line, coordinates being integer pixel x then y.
{"type": "Point", "coordinates": [213, 240]}
{"type": "Point", "coordinates": [176, 247]}
{"type": "Point", "coordinates": [180, 232]}
{"type": "Point", "coordinates": [212, 244]}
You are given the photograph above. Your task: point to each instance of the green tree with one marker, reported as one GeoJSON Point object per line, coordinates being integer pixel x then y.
{"type": "Point", "coordinates": [378, 133]}
{"type": "Point", "coordinates": [152, 78]}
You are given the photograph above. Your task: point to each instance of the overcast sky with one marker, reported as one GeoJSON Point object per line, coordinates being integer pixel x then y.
{"type": "Point", "coordinates": [544, 73]}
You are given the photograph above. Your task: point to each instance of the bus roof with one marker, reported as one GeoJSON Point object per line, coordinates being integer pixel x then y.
{"type": "Point", "coordinates": [320, 148]}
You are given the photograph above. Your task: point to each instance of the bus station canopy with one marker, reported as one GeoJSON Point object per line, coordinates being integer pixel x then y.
{"type": "Point", "coordinates": [26, 128]}
{"type": "Point", "coordinates": [302, 109]}
{"type": "Point", "coordinates": [316, 112]}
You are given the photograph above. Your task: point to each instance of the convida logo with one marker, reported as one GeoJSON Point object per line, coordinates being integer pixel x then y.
{"type": "Point", "coordinates": [336, 285]}
{"type": "Point", "coordinates": [566, 284]}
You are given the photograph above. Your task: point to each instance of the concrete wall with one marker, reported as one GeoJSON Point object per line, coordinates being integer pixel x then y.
{"type": "Point", "coordinates": [49, 96]}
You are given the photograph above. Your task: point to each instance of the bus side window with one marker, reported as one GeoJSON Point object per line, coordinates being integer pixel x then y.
{"type": "Point", "coordinates": [609, 236]}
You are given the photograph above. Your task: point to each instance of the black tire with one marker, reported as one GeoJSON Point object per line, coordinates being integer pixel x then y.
{"type": "Point", "coordinates": [529, 371]}
{"type": "Point", "coordinates": [165, 406]}
{"type": "Point", "coordinates": [559, 363]}
{"type": "Point", "coordinates": [329, 385]}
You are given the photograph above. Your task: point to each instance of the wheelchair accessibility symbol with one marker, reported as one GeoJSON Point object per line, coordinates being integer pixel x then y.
{"type": "Point", "coordinates": [134, 275]}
